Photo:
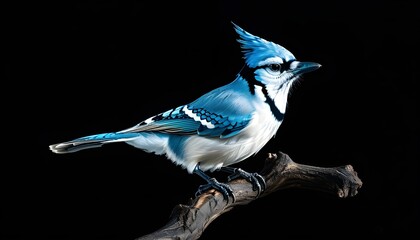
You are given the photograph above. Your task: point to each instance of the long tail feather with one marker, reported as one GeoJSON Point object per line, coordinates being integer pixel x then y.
{"type": "Point", "coordinates": [92, 141]}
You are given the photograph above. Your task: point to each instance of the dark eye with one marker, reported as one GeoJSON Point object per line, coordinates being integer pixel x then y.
{"type": "Point", "coordinates": [274, 67]}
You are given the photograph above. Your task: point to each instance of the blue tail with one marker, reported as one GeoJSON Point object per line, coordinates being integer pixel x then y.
{"type": "Point", "coordinates": [92, 141]}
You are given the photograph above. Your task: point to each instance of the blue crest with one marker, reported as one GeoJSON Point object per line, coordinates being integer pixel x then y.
{"type": "Point", "coordinates": [256, 49]}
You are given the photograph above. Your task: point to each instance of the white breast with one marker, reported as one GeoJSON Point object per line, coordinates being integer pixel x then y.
{"type": "Point", "coordinates": [213, 153]}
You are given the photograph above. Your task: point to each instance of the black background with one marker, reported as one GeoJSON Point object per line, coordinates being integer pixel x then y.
{"type": "Point", "coordinates": [80, 68]}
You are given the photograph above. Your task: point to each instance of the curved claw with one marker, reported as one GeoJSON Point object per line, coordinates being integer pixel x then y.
{"type": "Point", "coordinates": [260, 180]}
{"type": "Point", "coordinates": [257, 181]}
{"type": "Point", "coordinates": [225, 189]}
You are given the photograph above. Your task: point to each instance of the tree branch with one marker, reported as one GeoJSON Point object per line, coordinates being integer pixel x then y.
{"type": "Point", "coordinates": [279, 171]}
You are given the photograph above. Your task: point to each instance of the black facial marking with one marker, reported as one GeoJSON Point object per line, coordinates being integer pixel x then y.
{"type": "Point", "coordinates": [248, 74]}
{"type": "Point", "coordinates": [286, 66]}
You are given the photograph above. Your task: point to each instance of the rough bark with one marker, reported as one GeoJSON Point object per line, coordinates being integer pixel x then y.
{"type": "Point", "coordinates": [279, 171]}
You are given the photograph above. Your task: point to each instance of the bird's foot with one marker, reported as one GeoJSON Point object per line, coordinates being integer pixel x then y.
{"type": "Point", "coordinates": [257, 181]}
{"type": "Point", "coordinates": [224, 188]}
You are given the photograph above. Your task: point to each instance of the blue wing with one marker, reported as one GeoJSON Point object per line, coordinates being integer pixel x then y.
{"type": "Point", "coordinates": [171, 121]}
{"type": "Point", "coordinates": [220, 113]}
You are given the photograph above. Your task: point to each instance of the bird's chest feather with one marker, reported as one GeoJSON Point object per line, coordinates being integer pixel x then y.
{"type": "Point", "coordinates": [262, 127]}
{"type": "Point", "coordinates": [264, 124]}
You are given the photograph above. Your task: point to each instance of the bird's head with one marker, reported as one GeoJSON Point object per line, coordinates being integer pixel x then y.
{"type": "Point", "coordinates": [269, 64]}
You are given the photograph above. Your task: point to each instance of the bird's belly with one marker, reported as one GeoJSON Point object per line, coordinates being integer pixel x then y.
{"type": "Point", "coordinates": [213, 153]}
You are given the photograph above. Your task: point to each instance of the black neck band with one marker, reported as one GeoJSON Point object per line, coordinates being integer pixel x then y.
{"type": "Point", "coordinates": [248, 74]}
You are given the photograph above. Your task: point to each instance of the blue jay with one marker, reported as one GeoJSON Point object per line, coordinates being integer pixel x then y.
{"type": "Point", "coordinates": [222, 127]}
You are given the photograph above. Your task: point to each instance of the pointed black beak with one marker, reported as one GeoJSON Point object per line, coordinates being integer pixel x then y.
{"type": "Point", "coordinates": [298, 68]}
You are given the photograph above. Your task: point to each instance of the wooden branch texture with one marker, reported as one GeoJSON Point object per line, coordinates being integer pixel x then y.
{"type": "Point", "coordinates": [279, 171]}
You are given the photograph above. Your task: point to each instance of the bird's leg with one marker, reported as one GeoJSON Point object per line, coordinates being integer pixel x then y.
{"type": "Point", "coordinates": [224, 188]}
{"type": "Point", "coordinates": [257, 181]}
